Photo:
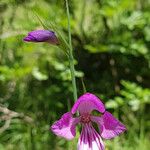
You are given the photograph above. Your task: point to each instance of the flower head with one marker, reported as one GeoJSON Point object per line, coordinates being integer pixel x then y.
{"type": "Point", "coordinates": [42, 36]}
{"type": "Point", "coordinates": [90, 139]}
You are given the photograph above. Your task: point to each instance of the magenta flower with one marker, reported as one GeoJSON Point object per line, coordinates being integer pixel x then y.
{"type": "Point", "coordinates": [90, 139]}
{"type": "Point", "coordinates": [42, 36]}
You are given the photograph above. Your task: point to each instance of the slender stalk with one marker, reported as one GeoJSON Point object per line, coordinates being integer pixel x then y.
{"type": "Point", "coordinates": [71, 58]}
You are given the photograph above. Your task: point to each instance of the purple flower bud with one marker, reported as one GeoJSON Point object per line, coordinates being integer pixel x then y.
{"type": "Point", "coordinates": [42, 36]}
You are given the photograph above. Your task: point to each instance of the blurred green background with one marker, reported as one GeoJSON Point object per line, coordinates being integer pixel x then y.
{"type": "Point", "coordinates": [111, 39]}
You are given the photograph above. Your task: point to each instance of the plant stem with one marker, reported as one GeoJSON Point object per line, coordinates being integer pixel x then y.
{"type": "Point", "coordinates": [71, 58]}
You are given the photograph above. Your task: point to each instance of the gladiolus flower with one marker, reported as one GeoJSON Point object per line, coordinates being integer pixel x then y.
{"type": "Point", "coordinates": [42, 36]}
{"type": "Point", "coordinates": [90, 139]}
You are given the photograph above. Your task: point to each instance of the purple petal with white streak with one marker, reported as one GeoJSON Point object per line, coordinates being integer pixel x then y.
{"type": "Point", "coordinates": [90, 139]}
{"type": "Point", "coordinates": [66, 126]}
{"type": "Point", "coordinates": [109, 126]}
{"type": "Point", "coordinates": [87, 103]}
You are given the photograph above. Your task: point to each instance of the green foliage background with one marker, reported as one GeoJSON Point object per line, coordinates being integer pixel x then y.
{"type": "Point", "coordinates": [111, 40]}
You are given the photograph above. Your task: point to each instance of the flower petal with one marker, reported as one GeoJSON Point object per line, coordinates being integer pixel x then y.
{"type": "Point", "coordinates": [66, 126]}
{"type": "Point", "coordinates": [109, 126]}
{"type": "Point", "coordinates": [90, 139]}
{"type": "Point", "coordinates": [29, 38]}
{"type": "Point", "coordinates": [86, 103]}
{"type": "Point", "coordinates": [41, 36]}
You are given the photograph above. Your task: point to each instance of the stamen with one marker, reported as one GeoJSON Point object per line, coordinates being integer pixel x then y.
{"type": "Point", "coordinates": [85, 118]}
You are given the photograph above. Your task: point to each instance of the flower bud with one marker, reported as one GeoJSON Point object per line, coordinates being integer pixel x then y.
{"type": "Point", "coordinates": [42, 36]}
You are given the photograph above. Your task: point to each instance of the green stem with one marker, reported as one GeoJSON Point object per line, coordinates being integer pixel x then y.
{"type": "Point", "coordinates": [71, 58]}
